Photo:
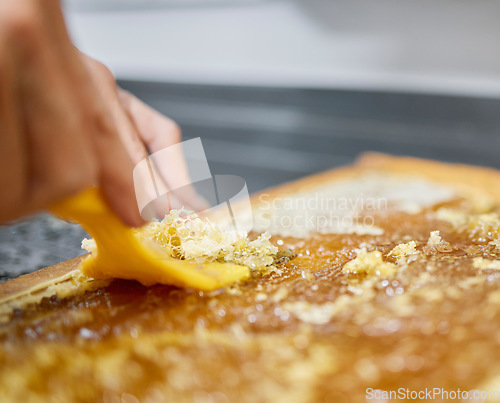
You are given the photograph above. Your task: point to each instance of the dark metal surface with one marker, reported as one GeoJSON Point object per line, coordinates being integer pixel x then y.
{"type": "Point", "coordinates": [270, 136]}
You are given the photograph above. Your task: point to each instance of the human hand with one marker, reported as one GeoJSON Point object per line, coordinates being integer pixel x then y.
{"type": "Point", "coordinates": [144, 132]}
{"type": "Point", "coordinates": [64, 125]}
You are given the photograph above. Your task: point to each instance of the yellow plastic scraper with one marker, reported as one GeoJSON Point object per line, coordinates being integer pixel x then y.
{"type": "Point", "coordinates": [121, 255]}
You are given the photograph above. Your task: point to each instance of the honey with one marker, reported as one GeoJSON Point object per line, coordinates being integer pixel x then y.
{"type": "Point", "coordinates": [310, 330]}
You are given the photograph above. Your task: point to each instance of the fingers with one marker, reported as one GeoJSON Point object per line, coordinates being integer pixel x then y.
{"type": "Point", "coordinates": [110, 131]}
{"type": "Point", "coordinates": [158, 133]}
{"type": "Point", "coordinates": [107, 88]}
{"type": "Point", "coordinates": [68, 127]}
{"type": "Point", "coordinates": [55, 162]}
{"type": "Point", "coordinates": [58, 134]}
{"type": "Point", "coordinates": [121, 123]}
{"type": "Point", "coordinates": [58, 150]}
{"type": "Point", "coordinates": [97, 130]}
{"type": "Point", "coordinates": [115, 175]}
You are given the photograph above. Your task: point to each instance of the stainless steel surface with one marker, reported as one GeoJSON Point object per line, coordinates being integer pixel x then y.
{"type": "Point", "coordinates": [269, 136]}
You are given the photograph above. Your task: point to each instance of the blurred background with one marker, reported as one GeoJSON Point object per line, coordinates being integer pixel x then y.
{"type": "Point", "coordinates": [279, 89]}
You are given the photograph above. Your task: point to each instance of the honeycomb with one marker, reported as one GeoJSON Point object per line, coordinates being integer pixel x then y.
{"type": "Point", "coordinates": [323, 327]}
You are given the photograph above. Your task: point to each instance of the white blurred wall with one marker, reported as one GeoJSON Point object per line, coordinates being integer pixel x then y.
{"type": "Point", "coordinates": [437, 46]}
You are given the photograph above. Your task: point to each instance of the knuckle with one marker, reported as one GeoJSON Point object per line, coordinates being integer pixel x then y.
{"type": "Point", "coordinates": [174, 131]}
{"type": "Point", "coordinates": [101, 124]}
{"type": "Point", "coordinates": [125, 98]}
{"type": "Point", "coordinates": [103, 71]}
